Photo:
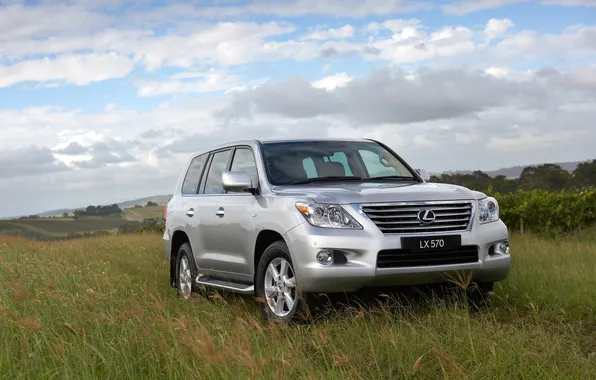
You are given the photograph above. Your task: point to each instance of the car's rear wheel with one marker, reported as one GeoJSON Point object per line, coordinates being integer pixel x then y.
{"type": "Point", "coordinates": [184, 272]}
{"type": "Point", "coordinates": [276, 286]}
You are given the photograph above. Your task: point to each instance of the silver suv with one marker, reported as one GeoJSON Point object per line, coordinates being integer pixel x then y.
{"type": "Point", "coordinates": [279, 219]}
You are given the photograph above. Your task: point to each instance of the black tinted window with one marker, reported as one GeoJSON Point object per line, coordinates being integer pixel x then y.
{"type": "Point", "coordinates": [218, 165]}
{"type": "Point", "coordinates": [289, 162]}
{"type": "Point", "coordinates": [193, 175]}
{"type": "Point", "coordinates": [244, 160]}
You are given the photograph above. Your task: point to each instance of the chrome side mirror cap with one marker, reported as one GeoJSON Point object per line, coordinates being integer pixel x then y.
{"type": "Point", "coordinates": [236, 182]}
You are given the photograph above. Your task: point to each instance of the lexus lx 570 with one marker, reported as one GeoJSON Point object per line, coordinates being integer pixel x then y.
{"type": "Point", "coordinates": [280, 218]}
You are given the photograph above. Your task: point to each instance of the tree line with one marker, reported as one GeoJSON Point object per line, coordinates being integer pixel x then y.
{"type": "Point", "coordinates": [549, 177]}
{"type": "Point", "coordinates": [99, 211]}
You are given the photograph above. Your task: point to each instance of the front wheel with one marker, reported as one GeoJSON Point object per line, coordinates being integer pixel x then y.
{"type": "Point", "coordinates": [276, 285]}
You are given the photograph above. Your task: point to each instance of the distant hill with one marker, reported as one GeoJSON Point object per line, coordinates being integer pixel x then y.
{"type": "Point", "coordinates": [514, 171]}
{"type": "Point", "coordinates": [159, 199]}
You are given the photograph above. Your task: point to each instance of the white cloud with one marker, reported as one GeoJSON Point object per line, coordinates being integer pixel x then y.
{"type": "Point", "coordinates": [79, 69]}
{"type": "Point", "coordinates": [287, 8]}
{"type": "Point", "coordinates": [332, 82]}
{"type": "Point", "coordinates": [570, 3]}
{"type": "Point", "coordinates": [581, 40]}
{"type": "Point", "coordinates": [536, 139]}
{"type": "Point", "coordinates": [334, 33]}
{"type": "Point", "coordinates": [469, 6]}
{"type": "Point", "coordinates": [497, 27]}
{"type": "Point", "coordinates": [511, 75]}
{"type": "Point", "coordinates": [121, 40]}
{"type": "Point", "coordinates": [412, 44]}
{"type": "Point", "coordinates": [17, 21]}
{"type": "Point", "coordinates": [197, 82]}
{"type": "Point", "coordinates": [27, 161]}
{"type": "Point", "coordinates": [211, 80]}
{"type": "Point", "coordinates": [226, 43]}
{"type": "Point", "coordinates": [396, 25]}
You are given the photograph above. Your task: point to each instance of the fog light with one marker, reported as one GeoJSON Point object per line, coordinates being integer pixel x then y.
{"type": "Point", "coordinates": [325, 257]}
{"type": "Point", "coordinates": [504, 247]}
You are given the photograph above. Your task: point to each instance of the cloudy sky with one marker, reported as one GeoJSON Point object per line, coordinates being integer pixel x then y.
{"type": "Point", "coordinates": [102, 102]}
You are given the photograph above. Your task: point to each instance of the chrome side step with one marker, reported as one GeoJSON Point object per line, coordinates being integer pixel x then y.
{"type": "Point", "coordinates": [225, 285]}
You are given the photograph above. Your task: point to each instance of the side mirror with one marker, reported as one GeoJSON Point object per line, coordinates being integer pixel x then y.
{"type": "Point", "coordinates": [236, 182]}
{"type": "Point", "coordinates": [423, 173]}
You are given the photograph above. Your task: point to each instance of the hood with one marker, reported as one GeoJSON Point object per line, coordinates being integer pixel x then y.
{"type": "Point", "coordinates": [358, 192]}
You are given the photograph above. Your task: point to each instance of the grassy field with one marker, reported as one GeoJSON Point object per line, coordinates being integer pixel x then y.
{"type": "Point", "coordinates": [46, 228]}
{"type": "Point", "coordinates": [150, 212]}
{"type": "Point", "coordinates": [50, 228]}
{"type": "Point", "coordinates": [102, 308]}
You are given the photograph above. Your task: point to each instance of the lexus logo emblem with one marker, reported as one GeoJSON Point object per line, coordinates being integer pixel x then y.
{"type": "Point", "coordinates": [426, 216]}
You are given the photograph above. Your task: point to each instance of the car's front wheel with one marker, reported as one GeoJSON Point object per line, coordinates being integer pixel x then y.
{"type": "Point", "coordinates": [276, 285]}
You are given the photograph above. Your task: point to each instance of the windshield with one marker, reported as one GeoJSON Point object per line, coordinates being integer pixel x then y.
{"type": "Point", "coordinates": [294, 162]}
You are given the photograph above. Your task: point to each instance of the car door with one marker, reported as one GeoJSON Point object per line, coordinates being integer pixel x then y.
{"type": "Point", "coordinates": [188, 216]}
{"type": "Point", "coordinates": [235, 222]}
{"type": "Point", "coordinates": [210, 197]}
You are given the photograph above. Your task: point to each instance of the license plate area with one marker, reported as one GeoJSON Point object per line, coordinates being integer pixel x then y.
{"type": "Point", "coordinates": [431, 243]}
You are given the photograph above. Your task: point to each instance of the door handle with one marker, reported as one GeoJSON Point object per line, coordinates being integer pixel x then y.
{"type": "Point", "coordinates": [220, 212]}
{"type": "Point", "coordinates": [190, 212]}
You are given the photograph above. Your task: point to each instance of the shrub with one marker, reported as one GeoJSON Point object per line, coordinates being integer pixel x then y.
{"type": "Point", "coordinates": [552, 213]}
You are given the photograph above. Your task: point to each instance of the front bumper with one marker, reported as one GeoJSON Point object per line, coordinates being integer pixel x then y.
{"type": "Point", "coordinates": [361, 247]}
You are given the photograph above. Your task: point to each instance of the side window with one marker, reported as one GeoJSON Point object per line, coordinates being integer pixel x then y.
{"type": "Point", "coordinates": [193, 175]}
{"type": "Point", "coordinates": [218, 165]}
{"type": "Point", "coordinates": [244, 160]}
{"type": "Point", "coordinates": [374, 167]}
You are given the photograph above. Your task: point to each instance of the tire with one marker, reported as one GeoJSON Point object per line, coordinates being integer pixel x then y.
{"type": "Point", "coordinates": [185, 272]}
{"type": "Point", "coordinates": [275, 255]}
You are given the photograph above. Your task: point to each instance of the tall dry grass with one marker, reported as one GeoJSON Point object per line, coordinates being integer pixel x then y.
{"type": "Point", "coordinates": [102, 308]}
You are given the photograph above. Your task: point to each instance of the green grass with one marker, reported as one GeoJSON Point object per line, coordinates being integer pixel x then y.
{"type": "Point", "coordinates": [102, 308]}
{"type": "Point", "coordinates": [151, 212]}
{"type": "Point", "coordinates": [46, 229]}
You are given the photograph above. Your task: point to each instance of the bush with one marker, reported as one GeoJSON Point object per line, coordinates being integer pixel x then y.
{"type": "Point", "coordinates": [551, 213]}
{"type": "Point", "coordinates": [148, 225]}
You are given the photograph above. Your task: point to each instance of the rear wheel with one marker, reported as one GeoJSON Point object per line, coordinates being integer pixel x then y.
{"type": "Point", "coordinates": [276, 285]}
{"type": "Point", "coordinates": [184, 272]}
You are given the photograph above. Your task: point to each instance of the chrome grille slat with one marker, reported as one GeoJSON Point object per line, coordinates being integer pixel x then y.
{"type": "Point", "coordinates": [417, 222]}
{"type": "Point", "coordinates": [395, 218]}
{"type": "Point", "coordinates": [422, 228]}
{"type": "Point", "coordinates": [376, 215]}
{"type": "Point", "coordinates": [438, 208]}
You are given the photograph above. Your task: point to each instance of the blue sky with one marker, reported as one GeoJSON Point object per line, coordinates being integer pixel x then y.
{"type": "Point", "coordinates": [482, 84]}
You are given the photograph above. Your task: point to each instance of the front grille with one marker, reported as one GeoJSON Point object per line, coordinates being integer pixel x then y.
{"type": "Point", "coordinates": [400, 258]}
{"type": "Point", "coordinates": [400, 218]}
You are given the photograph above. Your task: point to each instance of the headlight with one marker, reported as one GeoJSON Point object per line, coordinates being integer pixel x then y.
{"type": "Point", "coordinates": [328, 216]}
{"type": "Point", "coordinates": [488, 210]}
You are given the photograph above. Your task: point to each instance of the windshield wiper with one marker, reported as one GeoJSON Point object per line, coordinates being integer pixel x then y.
{"type": "Point", "coordinates": [329, 178]}
{"type": "Point", "coordinates": [390, 177]}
